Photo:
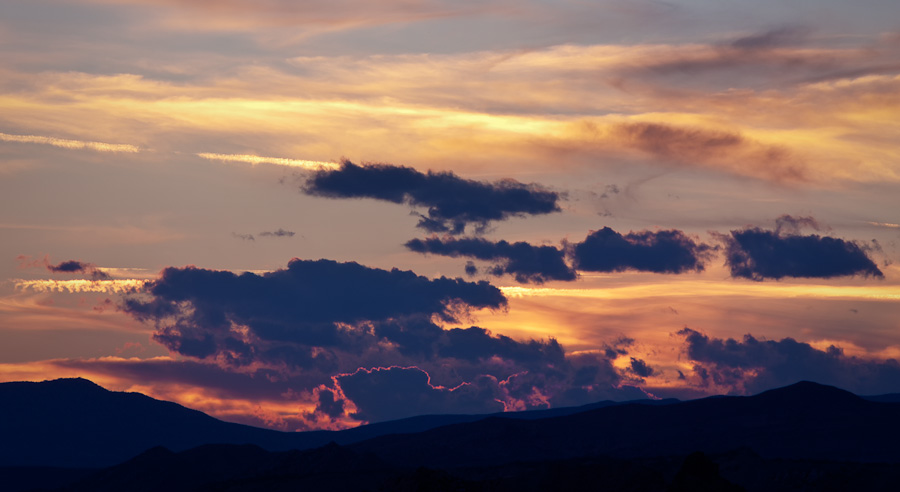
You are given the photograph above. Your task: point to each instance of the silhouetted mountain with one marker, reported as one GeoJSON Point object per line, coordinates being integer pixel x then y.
{"type": "Point", "coordinates": [806, 437]}
{"type": "Point", "coordinates": [700, 474]}
{"type": "Point", "coordinates": [228, 468]}
{"type": "Point", "coordinates": [22, 478]}
{"type": "Point", "coordinates": [802, 421]}
{"type": "Point", "coordinates": [422, 423]}
{"type": "Point", "coordinates": [232, 467]}
{"type": "Point", "coordinates": [888, 398]}
{"type": "Point", "coordinates": [76, 423]}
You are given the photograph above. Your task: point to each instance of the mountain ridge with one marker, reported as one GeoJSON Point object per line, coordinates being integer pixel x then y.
{"type": "Point", "coordinates": [100, 427]}
{"type": "Point", "coordinates": [804, 433]}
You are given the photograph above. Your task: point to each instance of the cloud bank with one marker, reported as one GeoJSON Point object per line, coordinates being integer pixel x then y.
{"type": "Point", "coordinates": [366, 343]}
{"type": "Point", "coordinates": [752, 365]}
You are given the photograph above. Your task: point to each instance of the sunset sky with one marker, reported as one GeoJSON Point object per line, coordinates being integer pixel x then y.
{"type": "Point", "coordinates": [519, 204]}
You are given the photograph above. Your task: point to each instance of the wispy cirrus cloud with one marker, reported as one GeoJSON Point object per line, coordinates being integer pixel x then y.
{"type": "Point", "coordinates": [692, 146]}
{"type": "Point", "coordinates": [278, 161]}
{"type": "Point", "coordinates": [316, 16]}
{"type": "Point", "coordinates": [70, 144]}
{"type": "Point", "coordinates": [513, 112]}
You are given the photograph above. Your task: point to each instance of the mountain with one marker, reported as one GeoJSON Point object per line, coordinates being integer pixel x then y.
{"type": "Point", "coordinates": [802, 421]}
{"type": "Point", "coordinates": [76, 423]}
{"type": "Point", "coordinates": [802, 437]}
{"type": "Point", "coordinates": [234, 467]}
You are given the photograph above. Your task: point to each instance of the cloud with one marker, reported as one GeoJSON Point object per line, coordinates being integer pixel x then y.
{"type": "Point", "coordinates": [775, 38]}
{"type": "Point", "coordinates": [117, 286]}
{"type": "Point", "coordinates": [328, 404]}
{"type": "Point", "coordinates": [452, 202]}
{"type": "Point", "coordinates": [763, 53]}
{"type": "Point", "coordinates": [309, 17]}
{"type": "Point", "coordinates": [753, 365]}
{"type": "Point", "coordinates": [279, 233]}
{"type": "Point", "coordinates": [792, 225]}
{"type": "Point", "coordinates": [70, 144]}
{"type": "Point", "coordinates": [68, 266]}
{"type": "Point", "coordinates": [526, 262]}
{"type": "Point", "coordinates": [202, 312]}
{"type": "Point", "coordinates": [279, 161]}
{"type": "Point", "coordinates": [478, 344]}
{"type": "Point", "coordinates": [396, 392]}
{"type": "Point", "coordinates": [693, 145]}
{"type": "Point", "coordinates": [759, 254]}
{"type": "Point", "coordinates": [666, 251]}
{"type": "Point", "coordinates": [363, 343]}
{"type": "Point", "coordinates": [640, 368]}
{"type": "Point", "coordinates": [618, 347]}
{"type": "Point", "coordinates": [385, 393]}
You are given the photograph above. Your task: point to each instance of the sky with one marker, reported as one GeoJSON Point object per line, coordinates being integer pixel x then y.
{"type": "Point", "coordinates": [314, 215]}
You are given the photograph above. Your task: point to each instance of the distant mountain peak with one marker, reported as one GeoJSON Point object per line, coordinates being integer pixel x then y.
{"type": "Point", "coordinates": [77, 382]}
{"type": "Point", "coordinates": [809, 391]}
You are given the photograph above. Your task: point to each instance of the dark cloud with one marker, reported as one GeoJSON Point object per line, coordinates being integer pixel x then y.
{"type": "Point", "coordinates": [386, 393]}
{"type": "Point", "coordinates": [245, 237]}
{"type": "Point", "coordinates": [328, 404]}
{"type": "Point", "coordinates": [617, 347]}
{"type": "Point", "coordinates": [279, 233]}
{"type": "Point", "coordinates": [452, 202]}
{"type": "Point", "coordinates": [71, 266]}
{"type": "Point", "coordinates": [476, 344]}
{"type": "Point", "coordinates": [641, 368]}
{"type": "Point", "coordinates": [202, 312]}
{"type": "Point", "coordinates": [752, 365]}
{"type": "Point", "coordinates": [334, 332]}
{"type": "Point", "coordinates": [396, 392]}
{"type": "Point", "coordinates": [527, 263]}
{"type": "Point", "coordinates": [667, 251]}
{"type": "Point", "coordinates": [759, 254]}
{"type": "Point", "coordinates": [75, 266]}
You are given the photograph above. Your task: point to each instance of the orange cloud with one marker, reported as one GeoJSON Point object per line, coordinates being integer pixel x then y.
{"type": "Point", "coordinates": [515, 109]}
